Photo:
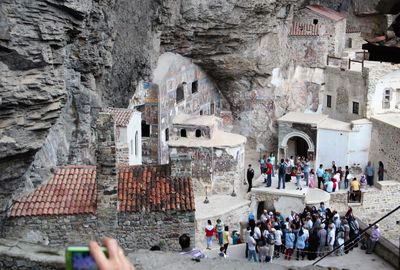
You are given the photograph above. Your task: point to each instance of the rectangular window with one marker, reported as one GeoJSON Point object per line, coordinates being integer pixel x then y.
{"type": "Point", "coordinates": [386, 99]}
{"type": "Point", "coordinates": [356, 106]}
{"type": "Point", "coordinates": [329, 101]}
{"type": "Point", "coordinates": [166, 134]}
{"type": "Point", "coordinates": [195, 87]}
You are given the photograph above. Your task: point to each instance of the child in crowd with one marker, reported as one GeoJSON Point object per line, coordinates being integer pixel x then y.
{"type": "Point", "coordinates": [312, 179]}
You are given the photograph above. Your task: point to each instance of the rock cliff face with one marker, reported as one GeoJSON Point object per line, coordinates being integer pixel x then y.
{"type": "Point", "coordinates": [62, 60]}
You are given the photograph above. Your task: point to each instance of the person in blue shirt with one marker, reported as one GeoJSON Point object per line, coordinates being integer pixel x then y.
{"type": "Point", "coordinates": [329, 186]}
{"type": "Point", "coordinates": [301, 244]}
{"type": "Point", "coordinates": [289, 243]}
{"type": "Point", "coordinates": [369, 172]}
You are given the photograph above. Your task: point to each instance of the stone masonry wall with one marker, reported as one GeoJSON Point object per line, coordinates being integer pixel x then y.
{"type": "Point", "coordinates": [214, 169]}
{"type": "Point", "coordinates": [122, 154]}
{"type": "Point", "coordinates": [53, 230]}
{"type": "Point", "coordinates": [375, 204]}
{"type": "Point", "coordinates": [345, 87]}
{"type": "Point", "coordinates": [144, 230]}
{"type": "Point", "coordinates": [385, 142]}
{"type": "Point", "coordinates": [134, 230]}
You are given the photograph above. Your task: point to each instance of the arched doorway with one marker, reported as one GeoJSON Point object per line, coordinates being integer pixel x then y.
{"type": "Point", "coordinates": [297, 146]}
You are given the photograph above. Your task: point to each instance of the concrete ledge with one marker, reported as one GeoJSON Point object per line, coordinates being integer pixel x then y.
{"type": "Point", "coordinates": [385, 249]}
{"type": "Point", "coordinates": [385, 184]}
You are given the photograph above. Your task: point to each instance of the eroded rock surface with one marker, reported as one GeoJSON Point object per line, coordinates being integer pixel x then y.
{"type": "Point", "coordinates": [61, 60]}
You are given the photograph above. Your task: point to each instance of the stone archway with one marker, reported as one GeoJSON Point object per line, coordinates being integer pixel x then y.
{"type": "Point", "coordinates": [283, 146]}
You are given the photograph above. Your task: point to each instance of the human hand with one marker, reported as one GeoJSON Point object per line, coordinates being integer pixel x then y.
{"type": "Point", "coordinates": [116, 258]}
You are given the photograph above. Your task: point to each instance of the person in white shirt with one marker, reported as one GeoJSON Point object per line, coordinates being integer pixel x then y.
{"type": "Point", "coordinates": [278, 242]}
{"type": "Point", "coordinates": [331, 236]}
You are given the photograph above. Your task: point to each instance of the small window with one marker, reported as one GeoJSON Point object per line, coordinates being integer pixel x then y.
{"type": "Point", "coordinates": [183, 133]}
{"type": "Point", "coordinates": [201, 112]}
{"type": "Point", "coordinates": [212, 108]}
{"type": "Point", "coordinates": [329, 101]}
{"type": "Point", "coordinates": [198, 133]}
{"type": "Point", "coordinates": [166, 134]}
{"type": "Point", "coordinates": [145, 129]}
{"type": "Point", "coordinates": [195, 87]}
{"type": "Point", "coordinates": [180, 95]}
{"type": "Point", "coordinates": [356, 106]}
{"type": "Point", "coordinates": [136, 143]}
{"type": "Point", "coordinates": [315, 21]}
{"type": "Point", "coordinates": [386, 99]}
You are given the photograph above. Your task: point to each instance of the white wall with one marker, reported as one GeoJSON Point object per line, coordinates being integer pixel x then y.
{"type": "Point", "coordinates": [121, 135]}
{"type": "Point", "coordinates": [359, 143]}
{"type": "Point", "coordinates": [390, 81]}
{"type": "Point", "coordinates": [332, 145]}
{"type": "Point", "coordinates": [135, 155]}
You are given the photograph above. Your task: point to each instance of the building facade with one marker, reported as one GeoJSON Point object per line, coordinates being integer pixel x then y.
{"type": "Point", "coordinates": [140, 206]}
{"type": "Point", "coordinates": [178, 86]}
{"type": "Point", "coordinates": [214, 158]}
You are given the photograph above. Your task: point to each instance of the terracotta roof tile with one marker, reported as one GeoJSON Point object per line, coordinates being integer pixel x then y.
{"type": "Point", "coordinates": [304, 29]}
{"type": "Point", "coordinates": [56, 196]}
{"type": "Point", "coordinates": [150, 188]}
{"type": "Point", "coordinates": [326, 12]}
{"type": "Point", "coordinates": [122, 116]}
{"type": "Point", "coordinates": [352, 29]}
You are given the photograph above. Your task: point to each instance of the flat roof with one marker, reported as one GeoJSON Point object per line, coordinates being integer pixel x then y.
{"type": "Point", "coordinates": [333, 124]}
{"type": "Point", "coordinates": [392, 119]}
{"type": "Point", "coordinates": [195, 120]}
{"type": "Point", "coordinates": [219, 139]}
{"type": "Point", "coordinates": [303, 118]}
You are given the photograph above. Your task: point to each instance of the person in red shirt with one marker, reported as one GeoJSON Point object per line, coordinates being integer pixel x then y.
{"type": "Point", "coordinates": [210, 231]}
{"type": "Point", "coordinates": [269, 173]}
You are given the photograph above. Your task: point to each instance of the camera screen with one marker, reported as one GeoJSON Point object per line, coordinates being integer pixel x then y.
{"type": "Point", "coordinates": [83, 261]}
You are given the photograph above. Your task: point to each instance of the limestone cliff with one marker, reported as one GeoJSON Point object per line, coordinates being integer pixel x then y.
{"type": "Point", "coordinates": [61, 60]}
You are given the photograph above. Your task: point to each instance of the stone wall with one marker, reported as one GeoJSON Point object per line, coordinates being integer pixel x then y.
{"type": "Point", "coordinates": [134, 230]}
{"type": "Point", "coordinates": [122, 154]}
{"type": "Point", "coordinates": [53, 230]}
{"type": "Point", "coordinates": [376, 202]}
{"type": "Point", "coordinates": [231, 218]}
{"type": "Point", "coordinates": [309, 51]}
{"type": "Point", "coordinates": [385, 143]}
{"type": "Point", "coordinates": [216, 169]}
{"type": "Point", "coordinates": [144, 230]}
{"type": "Point", "coordinates": [335, 31]}
{"type": "Point", "coordinates": [345, 87]}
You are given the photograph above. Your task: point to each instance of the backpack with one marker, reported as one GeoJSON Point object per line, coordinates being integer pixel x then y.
{"type": "Point", "coordinates": [282, 169]}
{"type": "Point", "coordinates": [270, 239]}
{"type": "Point", "coordinates": [262, 241]}
{"type": "Point", "coordinates": [353, 226]}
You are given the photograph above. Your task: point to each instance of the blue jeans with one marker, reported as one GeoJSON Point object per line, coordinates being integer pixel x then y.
{"type": "Point", "coordinates": [281, 178]}
{"type": "Point", "coordinates": [298, 181]}
{"type": "Point", "coordinates": [269, 180]}
{"type": "Point", "coordinates": [252, 254]}
{"type": "Point", "coordinates": [209, 241]}
{"type": "Point", "coordinates": [306, 177]}
{"type": "Point", "coordinates": [220, 238]}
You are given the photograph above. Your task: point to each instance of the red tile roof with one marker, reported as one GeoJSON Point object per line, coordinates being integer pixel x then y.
{"type": "Point", "coordinates": [326, 12]}
{"type": "Point", "coordinates": [122, 116]}
{"type": "Point", "coordinates": [353, 29]}
{"type": "Point", "coordinates": [303, 29]}
{"type": "Point", "coordinates": [149, 188]}
{"type": "Point", "coordinates": [71, 191]}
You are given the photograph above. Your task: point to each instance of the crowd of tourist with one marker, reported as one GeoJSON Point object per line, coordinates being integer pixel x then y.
{"type": "Point", "coordinates": [309, 234]}
{"type": "Point", "coordinates": [330, 179]}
